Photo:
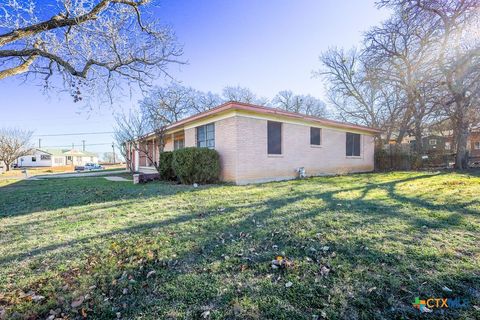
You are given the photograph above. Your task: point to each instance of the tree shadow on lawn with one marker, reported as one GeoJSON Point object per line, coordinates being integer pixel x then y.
{"type": "Point", "coordinates": [474, 172]}
{"type": "Point", "coordinates": [295, 304]}
{"type": "Point", "coordinates": [29, 196]}
{"type": "Point", "coordinates": [219, 234]}
{"type": "Point", "coordinates": [372, 212]}
{"type": "Point", "coordinates": [396, 279]}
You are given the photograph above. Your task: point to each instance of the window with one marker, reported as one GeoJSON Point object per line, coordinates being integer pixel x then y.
{"type": "Point", "coordinates": [206, 136]}
{"type": "Point", "coordinates": [34, 159]}
{"type": "Point", "coordinates": [432, 142]}
{"type": "Point", "coordinates": [315, 136]}
{"type": "Point", "coordinates": [274, 137]}
{"type": "Point", "coordinates": [178, 144]}
{"type": "Point", "coordinates": [353, 145]}
{"type": "Point", "coordinates": [58, 160]}
{"type": "Point", "coordinates": [45, 157]}
{"type": "Point", "coordinates": [448, 146]}
{"type": "Point", "coordinates": [476, 145]}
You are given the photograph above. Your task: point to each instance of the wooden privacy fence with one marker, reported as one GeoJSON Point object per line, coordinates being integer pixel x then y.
{"type": "Point", "coordinates": [402, 157]}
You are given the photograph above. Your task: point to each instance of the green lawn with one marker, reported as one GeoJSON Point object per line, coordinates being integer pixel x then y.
{"type": "Point", "coordinates": [356, 247]}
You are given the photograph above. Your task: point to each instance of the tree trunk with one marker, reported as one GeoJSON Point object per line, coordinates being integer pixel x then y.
{"type": "Point", "coordinates": [7, 165]}
{"type": "Point", "coordinates": [404, 126]}
{"type": "Point", "coordinates": [461, 158]}
{"type": "Point", "coordinates": [418, 138]}
{"type": "Point", "coordinates": [401, 135]}
{"type": "Point", "coordinates": [461, 130]}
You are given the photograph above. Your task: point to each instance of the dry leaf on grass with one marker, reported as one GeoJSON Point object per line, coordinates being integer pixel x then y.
{"type": "Point", "coordinates": [77, 302]}
{"type": "Point", "coordinates": [37, 298]}
{"type": "Point", "coordinates": [324, 271]}
{"type": "Point", "coordinates": [281, 262]}
{"type": "Point", "coordinates": [151, 273]}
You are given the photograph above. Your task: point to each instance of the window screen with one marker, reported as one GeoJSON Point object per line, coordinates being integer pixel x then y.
{"type": "Point", "coordinates": [274, 133]}
{"type": "Point", "coordinates": [178, 144]}
{"type": "Point", "coordinates": [206, 136]}
{"type": "Point", "coordinates": [315, 136]}
{"type": "Point", "coordinates": [353, 144]}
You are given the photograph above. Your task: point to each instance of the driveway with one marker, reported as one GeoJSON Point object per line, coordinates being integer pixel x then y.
{"type": "Point", "coordinates": [78, 174]}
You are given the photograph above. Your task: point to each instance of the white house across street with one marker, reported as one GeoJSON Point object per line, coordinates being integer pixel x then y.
{"type": "Point", "coordinates": [56, 158]}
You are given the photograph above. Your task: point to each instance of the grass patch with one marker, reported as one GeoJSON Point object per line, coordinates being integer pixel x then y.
{"type": "Point", "coordinates": [355, 247]}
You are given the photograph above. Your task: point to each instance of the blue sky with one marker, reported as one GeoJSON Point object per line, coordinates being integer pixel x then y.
{"type": "Point", "coordinates": [265, 45]}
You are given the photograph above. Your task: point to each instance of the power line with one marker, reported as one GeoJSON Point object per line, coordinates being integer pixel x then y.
{"type": "Point", "coordinates": [87, 145]}
{"type": "Point", "coordinates": [72, 134]}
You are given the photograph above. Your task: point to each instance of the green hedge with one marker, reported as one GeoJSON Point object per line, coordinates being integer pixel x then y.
{"type": "Point", "coordinates": [200, 165]}
{"type": "Point", "coordinates": [165, 166]}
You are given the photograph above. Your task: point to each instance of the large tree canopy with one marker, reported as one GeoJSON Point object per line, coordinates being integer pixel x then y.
{"type": "Point", "coordinates": [91, 46]}
{"type": "Point", "coordinates": [416, 72]}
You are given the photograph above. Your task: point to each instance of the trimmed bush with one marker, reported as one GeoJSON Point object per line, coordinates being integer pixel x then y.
{"type": "Point", "coordinates": [200, 165]}
{"type": "Point", "coordinates": [165, 166]}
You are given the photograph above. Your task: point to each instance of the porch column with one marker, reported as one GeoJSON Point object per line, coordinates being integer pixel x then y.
{"type": "Point", "coordinates": [137, 161]}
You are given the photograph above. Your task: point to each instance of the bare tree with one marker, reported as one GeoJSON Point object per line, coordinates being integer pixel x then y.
{"type": "Point", "coordinates": [93, 46]}
{"type": "Point", "coordinates": [398, 53]}
{"type": "Point", "coordinates": [306, 104]}
{"type": "Point", "coordinates": [356, 91]}
{"type": "Point", "coordinates": [205, 100]}
{"type": "Point", "coordinates": [128, 131]}
{"type": "Point", "coordinates": [455, 25]}
{"type": "Point", "coordinates": [165, 105]}
{"type": "Point", "coordinates": [110, 157]}
{"type": "Point", "coordinates": [161, 107]}
{"type": "Point", "coordinates": [241, 94]}
{"type": "Point", "coordinates": [14, 143]}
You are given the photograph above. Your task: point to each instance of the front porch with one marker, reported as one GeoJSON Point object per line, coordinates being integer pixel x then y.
{"type": "Point", "coordinates": [147, 155]}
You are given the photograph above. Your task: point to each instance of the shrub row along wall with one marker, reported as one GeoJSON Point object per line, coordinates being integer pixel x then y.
{"type": "Point", "coordinates": [190, 165]}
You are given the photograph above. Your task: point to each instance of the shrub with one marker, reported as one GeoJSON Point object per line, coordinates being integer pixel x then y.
{"type": "Point", "coordinates": [199, 165]}
{"type": "Point", "coordinates": [165, 166]}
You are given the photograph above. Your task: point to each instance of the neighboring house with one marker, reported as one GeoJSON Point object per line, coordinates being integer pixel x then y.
{"type": "Point", "coordinates": [474, 144]}
{"type": "Point", "coordinates": [257, 143]}
{"type": "Point", "coordinates": [56, 157]}
{"type": "Point", "coordinates": [445, 143]}
{"type": "Point", "coordinates": [435, 143]}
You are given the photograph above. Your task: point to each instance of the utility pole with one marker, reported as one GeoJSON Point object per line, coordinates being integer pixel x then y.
{"type": "Point", "coordinates": [39, 143]}
{"type": "Point", "coordinates": [73, 145]}
{"type": "Point", "coordinates": [113, 148]}
{"type": "Point", "coordinates": [83, 142]}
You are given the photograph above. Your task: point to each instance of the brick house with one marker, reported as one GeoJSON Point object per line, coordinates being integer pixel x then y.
{"type": "Point", "coordinates": [474, 144]}
{"type": "Point", "coordinates": [258, 144]}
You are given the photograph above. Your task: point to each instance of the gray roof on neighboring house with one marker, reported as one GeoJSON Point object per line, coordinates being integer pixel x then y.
{"type": "Point", "coordinates": [54, 152]}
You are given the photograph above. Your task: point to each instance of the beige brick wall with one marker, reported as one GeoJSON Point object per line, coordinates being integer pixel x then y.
{"type": "Point", "coordinates": [168, 144]}
{"type": "Point", "coordinates": [254, 165]}
{"type": "Point", "coordinates": [190, 137]}
{"type": "Point", "coordinates": [226, 145]}
{"type": "Point", "coordinates": [241, 142]}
